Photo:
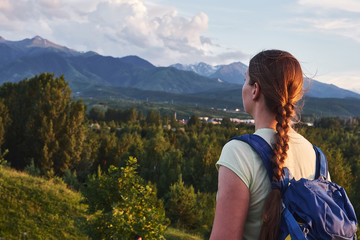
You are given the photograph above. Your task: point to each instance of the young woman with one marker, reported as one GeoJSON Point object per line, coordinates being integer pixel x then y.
{"type": "Point", "coordinates": [247, 207]}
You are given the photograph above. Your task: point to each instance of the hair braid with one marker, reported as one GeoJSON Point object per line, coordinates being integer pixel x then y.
{"type": "Point", "coordinates": [280, 154]}
{"type": "Point", "coordinates": [281, 147]}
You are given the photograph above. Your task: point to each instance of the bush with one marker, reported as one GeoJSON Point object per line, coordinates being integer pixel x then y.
{"type": "Point", "coordinates": [189, 210]}
{"type": "Point", "coordinates": [122, 205]}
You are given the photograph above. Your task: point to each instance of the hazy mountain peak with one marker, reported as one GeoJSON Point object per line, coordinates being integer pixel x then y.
{"type": "Point", "coordinates": [40, 42]}
{"type": "Point", "coordinates": [2, 39]}
{"type": "Point", "coordinates": [137, 61]}
{"type": "Point", "coordinates": [200, 68]}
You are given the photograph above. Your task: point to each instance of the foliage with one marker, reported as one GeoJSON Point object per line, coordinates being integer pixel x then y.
{"type": "Point", "coordinates": [32, 169]}
{"type": "Point", "coordinates": [71, 179]}
{"type": "Point", "coordinates": [181, 206]}
{"type": "Point", "coordinates": [34, 208]}
{"type": "Point", "coordinates": [45, 124]}
{"type": "Point", "coordinates": [3, 162]}
{"type": "Point", "coordinates": [122, 205]}
{"type": "Point", "coordinates": [190, 210]}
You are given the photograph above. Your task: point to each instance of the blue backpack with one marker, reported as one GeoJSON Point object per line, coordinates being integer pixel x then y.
{"type": "Point", "coordinates": [312, 209]}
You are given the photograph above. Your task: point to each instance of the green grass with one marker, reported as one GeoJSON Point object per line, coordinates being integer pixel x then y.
{"type": "Point", "coordinates": [35, 208]}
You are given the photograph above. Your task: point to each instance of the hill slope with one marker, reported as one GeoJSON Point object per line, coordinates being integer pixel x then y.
{"type": "Point", "coordinates": [33, 208]}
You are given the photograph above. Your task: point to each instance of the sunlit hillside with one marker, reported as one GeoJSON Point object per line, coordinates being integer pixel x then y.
{"type": "Point", "coordinates": [34, 208]}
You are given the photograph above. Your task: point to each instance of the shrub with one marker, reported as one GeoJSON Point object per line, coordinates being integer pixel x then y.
{"type": "Point", "coordinates": [122, 205]}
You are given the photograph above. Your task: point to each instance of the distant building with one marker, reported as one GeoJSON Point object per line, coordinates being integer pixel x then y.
{"type": "Point", "coordinates": [248, 121]}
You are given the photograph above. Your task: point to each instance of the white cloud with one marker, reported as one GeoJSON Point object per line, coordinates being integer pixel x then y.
{"type": "Point", "coordinates": [345, 5]}
{"type": "Point", "coordinates": [346, 27]}
{"type": "Point", "coordinates": [112, 27]}
{"type": "Point", "coordinates": [337, 17]}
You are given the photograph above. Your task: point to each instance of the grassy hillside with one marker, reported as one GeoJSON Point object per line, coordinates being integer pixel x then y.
{"type": "Point", "coordinates": [34, 208]}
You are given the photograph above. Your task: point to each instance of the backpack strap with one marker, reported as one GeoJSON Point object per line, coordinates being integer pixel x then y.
{"type": "Point", "coordinates": [264, 150]}
{"type": "Point", "coordinates": [261, 147]}
{"type": "Point", "coordinates": [321, 164]}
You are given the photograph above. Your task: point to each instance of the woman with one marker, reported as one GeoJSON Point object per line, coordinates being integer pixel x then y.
{"type": "Point", "coordinates": [247, 207]}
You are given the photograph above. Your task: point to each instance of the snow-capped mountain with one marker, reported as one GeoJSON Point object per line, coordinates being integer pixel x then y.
{"type": "Point", "coordinates": [201, 68]}
{"type": "Point", "coordinates": [232, 73]}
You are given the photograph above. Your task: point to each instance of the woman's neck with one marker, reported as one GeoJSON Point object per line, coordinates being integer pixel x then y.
{"type": "Point", "coordinates": [264, 119]}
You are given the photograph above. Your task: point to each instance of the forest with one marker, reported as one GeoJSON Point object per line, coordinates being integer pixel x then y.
{"type": "Point", "coordinates": [140, 172]}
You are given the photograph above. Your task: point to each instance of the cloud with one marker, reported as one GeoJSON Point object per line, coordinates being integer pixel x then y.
{"type": "Point", "coordinates": [345, 27]}
{"type": "Point", "coordinates": [111, 27]}
{"type": "Point", "coordinates": [345, 5]}
{"type": "Point", "coordinates": [332, 17]}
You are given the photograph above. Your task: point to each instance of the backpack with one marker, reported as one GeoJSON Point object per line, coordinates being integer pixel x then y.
{"type": "Point", "coordinates": [311, 209]}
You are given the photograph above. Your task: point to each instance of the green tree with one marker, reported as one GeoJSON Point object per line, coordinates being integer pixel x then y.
{"type": "Point", "coordinates": [194, 121]}
{"type": "Point", "coordinates": [153, 118]}
{"type": "Point", "coordinates": [181, 205]}
{"type": "Point", "coordinates": [226, 122]}
{"type": "Point", "coordinates": [122, 205]}
{"type": "Point", "coordinates": [96, 114]}
{"type": "Point", "coordinates": [46, 125]}
{"type": "Point", "coordinates": [130, 115]}
{"type": "Point", "coordinates": [4, 123]}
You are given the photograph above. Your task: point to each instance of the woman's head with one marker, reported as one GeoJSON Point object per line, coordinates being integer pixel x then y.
{"type": "Point", "coordinates": [280, 78]}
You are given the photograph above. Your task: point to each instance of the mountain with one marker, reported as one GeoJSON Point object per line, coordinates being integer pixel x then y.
{"type": "Point", "coordinates": [26, 58]}
{"type": "Point", "coordinates": [136, 61]}
{"type": "Point", "coordinates": [90, 71]}
{"type": "Point", "coordinates": [201, 68]}
{"type": "Point", "coordinates": [13, 50]}
{"type": "Point", "coordinates": [231, 73]}
{"type": "Point", "coordinates": [322, 90]}
{"type": "Point", "coordinates": [235, 73]}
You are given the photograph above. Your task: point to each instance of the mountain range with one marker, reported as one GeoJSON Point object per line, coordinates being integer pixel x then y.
{"type": "Point", "coordinates": [91, 74]}
{"type": "Point", "coordinates": [28, 57]}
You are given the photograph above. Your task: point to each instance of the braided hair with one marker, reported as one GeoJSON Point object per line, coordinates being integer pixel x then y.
{"type": "Point", "coordinates": [280, 78]}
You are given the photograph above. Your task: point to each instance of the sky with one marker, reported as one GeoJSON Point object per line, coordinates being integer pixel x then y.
{"type": "Point", "coordinates": [324, 35]}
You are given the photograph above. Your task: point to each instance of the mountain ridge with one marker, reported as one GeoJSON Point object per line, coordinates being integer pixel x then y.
{"type": "Point", "coordinates": [83, 70]}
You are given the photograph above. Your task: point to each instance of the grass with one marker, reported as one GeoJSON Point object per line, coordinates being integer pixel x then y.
{"type": "Point", "coordinates": [175, 234]}
{"type": "Point", "coordinates": [35, 208]}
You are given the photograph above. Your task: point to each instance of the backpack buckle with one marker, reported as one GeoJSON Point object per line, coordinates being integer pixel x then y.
{"type": "Point", "coordinates": [305, 232]}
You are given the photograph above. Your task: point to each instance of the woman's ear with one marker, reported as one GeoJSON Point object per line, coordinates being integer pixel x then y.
{"type": "Point", "coordinates": [256, 91]}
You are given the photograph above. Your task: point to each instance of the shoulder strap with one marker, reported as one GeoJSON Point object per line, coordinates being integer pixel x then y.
{"type": "Point", "coordinates": [261, 147]}
{"type": "Point", "coordinates": [321, 164]}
